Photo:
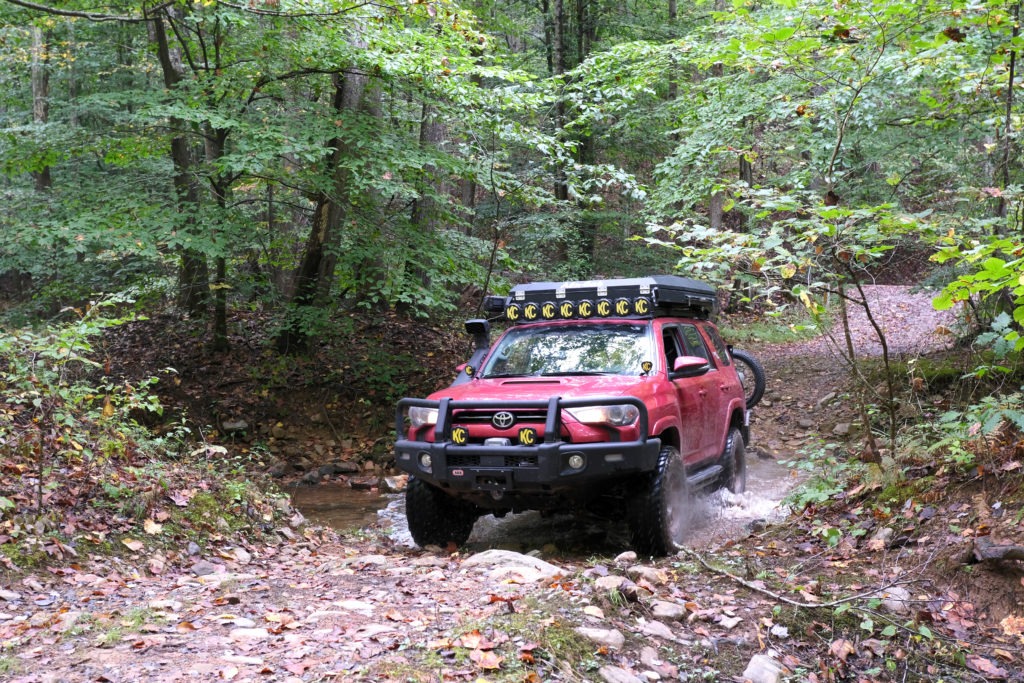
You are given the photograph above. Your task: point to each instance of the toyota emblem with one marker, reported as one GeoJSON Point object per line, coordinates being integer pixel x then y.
{"type": "Point", "coordinates": [503, 420]}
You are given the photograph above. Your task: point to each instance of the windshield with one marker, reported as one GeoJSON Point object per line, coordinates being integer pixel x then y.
{"type": "Point", "coordinates": [613, 349]}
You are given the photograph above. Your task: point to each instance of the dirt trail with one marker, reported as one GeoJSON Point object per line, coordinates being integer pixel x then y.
{"type": "Point", "coordinates": [310, 606]}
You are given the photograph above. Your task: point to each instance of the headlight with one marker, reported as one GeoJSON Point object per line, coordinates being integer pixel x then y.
{"type": "Point", "coordinates": [617, 415]}
{"type": "Point", "coordinates": [419, 416]}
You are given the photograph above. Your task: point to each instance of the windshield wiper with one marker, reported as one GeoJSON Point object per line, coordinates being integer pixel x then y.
{"type": "Point", "coordinates": [505, 375]}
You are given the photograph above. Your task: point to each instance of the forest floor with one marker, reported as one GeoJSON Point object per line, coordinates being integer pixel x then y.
{"type": "Point", "coordinates": [876, 578]}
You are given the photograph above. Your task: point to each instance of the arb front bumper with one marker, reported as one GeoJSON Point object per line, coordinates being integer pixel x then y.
{"type": "Point", "coordinates": [523, 473]}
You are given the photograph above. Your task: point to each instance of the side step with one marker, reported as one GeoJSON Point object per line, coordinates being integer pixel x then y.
{"type": "Point", "coordinates": [704, 477]}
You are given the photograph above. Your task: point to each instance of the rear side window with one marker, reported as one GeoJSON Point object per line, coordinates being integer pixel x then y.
{"type": "Point", "coordinates": [695, 345]}
{"type": "Point", "coordinates": [720, 348]}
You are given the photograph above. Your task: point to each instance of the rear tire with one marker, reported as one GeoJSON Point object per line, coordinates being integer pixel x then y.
{"type": "Point", "coordinates": [434, 517]}
{"type": "Point", "coordinates": [751, 376]}
{"type": "Point", "coordinates": [661, 512]}
{"type": "Point", "coordinates": [734, 462]}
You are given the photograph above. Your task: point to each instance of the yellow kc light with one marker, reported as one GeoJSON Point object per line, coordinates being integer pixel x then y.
{"type": "Point", "coordinates": [548, 310]}
{"type": "Point", "coordinates": [527, 436]}
{"type": "Point", "coordinates": [585, 308]}
{"type": "Point", "coordinates": [641, 305]}
{"type": "Point", "coordinates": [513, 312]}
{"type": "Point", "coordinates": [622, 306]}
{"type": "Point", "coordinates": [566, 309]}
{"type": "Point", "coordinates": [531, 311]}
{"type": "Point", "coordinates": [604, 308]}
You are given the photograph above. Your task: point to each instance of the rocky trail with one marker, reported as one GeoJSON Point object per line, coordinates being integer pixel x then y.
{"type": "Point", "coordinates": [759, 597]}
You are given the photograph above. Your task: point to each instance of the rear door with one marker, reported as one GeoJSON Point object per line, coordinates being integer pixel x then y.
{"type": "Point", "coordinates": [693, 394]}
{"type": "Point", "coordinates": [708, 388]}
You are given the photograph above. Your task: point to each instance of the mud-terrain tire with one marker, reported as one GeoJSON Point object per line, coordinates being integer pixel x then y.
{"type": "Point", "coordinates": [734, 463]}
{"type": "Point", "coordinates": [661, 511]}
{"type": "Point", "coordinates": [436, 518]}
{"type": "Point", "coordinates": [751, 375]}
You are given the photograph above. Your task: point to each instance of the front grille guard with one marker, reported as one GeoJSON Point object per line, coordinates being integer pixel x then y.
{"type": "Point", "coordinates": [552, 425]}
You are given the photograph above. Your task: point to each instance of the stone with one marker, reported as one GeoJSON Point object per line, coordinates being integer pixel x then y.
{"type": "Point", "coordinates": [205, 568]}
{"type": "Point", "coordinates": [9, 596]}
{"type": "Point", "coordinates": [278, 431]}
{"type": "Point", "coordinates": [655, 577]}
{"type": "Point", "coordinates": [609, 583]}
{"type": "Point", "coordinates": [193, 548]}
{"type": "Point", "coordinates": [649, 658]}
{"type": "Point", "coordinates": [627, 557]}
{"type": "Point", "coordinates": [842, 429]}
{"type": "Point", "coordinates": [657, 629]}
{"type": "Point", "coordinates": [610, 638]}
{"type": "Point", "coordinates": [673, 611]}
{"type": "Point", "coordinates": [278, 469]}
{"type": "Point", "coordinates": [895, 599]}
{"type": "Point", "coordinates": [763, 669]}
{"type": "Point", "coordinates": [238, 634]}
{"type": "Point", "coordinates": [312, 477]}
{"type": "Point", "coordinates": [613, 674]}
{"type": "Point", "coordinates": [729, 623]}
{"type": "Point", "coordinates": [394, 484]}
{"type": "Point", "coordinates": [232, 426]}
{"type": "Point", "coordinates": [345, 467]}
{"type": "Point", "coordinates": [804, 423]}
{"type": "Point", "coordinates": [497, 559]}
{"type": "Point", "coordinates": [826, 398]}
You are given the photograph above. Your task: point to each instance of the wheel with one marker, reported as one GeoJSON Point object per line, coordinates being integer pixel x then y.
{"type": "Point", "coordinates": [734, 462]}
{"type": "Point", "coordinates": [436, 518]}
{"type": "Point", "coordinates": [660, 513]}
{"type": "Point", "coordinates": [751, 376]}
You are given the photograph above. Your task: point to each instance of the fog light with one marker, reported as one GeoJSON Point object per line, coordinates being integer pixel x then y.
{"type": "Point", "coordinates": [426, 462]}
{"type": "Point", "coordinates": [576, 461]}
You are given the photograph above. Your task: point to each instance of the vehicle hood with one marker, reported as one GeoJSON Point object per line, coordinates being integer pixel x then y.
{"type": "Point", "coordinates": [542, 388]}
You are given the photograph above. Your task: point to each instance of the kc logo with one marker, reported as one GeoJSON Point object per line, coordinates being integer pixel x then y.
{"type": "Point", "coordinates": [527, 436]}
{"type": "Point", "coordinates": [460, 435]}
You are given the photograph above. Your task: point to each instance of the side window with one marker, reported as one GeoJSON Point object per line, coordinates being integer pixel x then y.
{"type": "Point", "coordinates": [672, 347]}
{"type": "Point", "coordinates": [695, 345]}
{"type": "Point", "coordinates": [720, 348]}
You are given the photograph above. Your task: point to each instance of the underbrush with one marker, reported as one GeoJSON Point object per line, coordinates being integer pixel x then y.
{"type": "Point", "coordinates": [83, 476]}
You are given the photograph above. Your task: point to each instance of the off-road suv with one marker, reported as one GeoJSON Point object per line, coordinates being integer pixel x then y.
{"type": "Point", "coordinates": [615, 395]}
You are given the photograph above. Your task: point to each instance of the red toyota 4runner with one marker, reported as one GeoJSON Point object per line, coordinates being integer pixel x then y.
{"type": "Point", "coordinates": [612, 395]}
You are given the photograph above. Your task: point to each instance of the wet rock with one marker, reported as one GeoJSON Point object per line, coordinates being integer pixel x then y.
{"type": "Point", "coordinates": [671, 611]}
{"type": "Point", "coordinates": [394, 484]}
{"type": "Point", "coordinates": [300, 462]}
{"type": "Point", "coordinates": [763, 669]}
{"type": "Point", "coordinates": [609, 638]}
{"type": "Point", "coordinates": [345, 467]}
{"type": "Point", "coordinates": [278, 431]}
{"type": "Point", "coordinates": [613, 674]}
{"type": "Point", "coordinates": [9, 596]}
{"type": "Point", "coordinates": [506, 562]}
{"type": "Point", "coordinates": [278, 469]}
{"type": "Point", "coordinates": [312, 477]}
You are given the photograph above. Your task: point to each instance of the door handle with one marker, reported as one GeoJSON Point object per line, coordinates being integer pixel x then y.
{"type": "Point", "coordinates": [702, 393]}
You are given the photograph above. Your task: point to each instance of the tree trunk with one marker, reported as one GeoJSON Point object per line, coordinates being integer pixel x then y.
{"type": "Point", "coordinates": [424, 219]}
{"type": "Point", "coordinates": [315, 275]}
{"type": "Point", "coordinates": [193, 272]}
{"type": "Point", "coordinates": [41, 98]}
{"type": "Point", "coordinates": [558, 21]}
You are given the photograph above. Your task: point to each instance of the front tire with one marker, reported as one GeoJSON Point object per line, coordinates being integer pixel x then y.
{"type": "Point", "coordinates": [734, 462]}
{"type": "Point", "coordinates": [661, 512]}
{"type": "Point", "coordinates": [434, 517]}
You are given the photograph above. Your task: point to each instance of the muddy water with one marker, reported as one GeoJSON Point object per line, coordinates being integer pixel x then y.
{"type": "Point", "coordinates": [718, 518]}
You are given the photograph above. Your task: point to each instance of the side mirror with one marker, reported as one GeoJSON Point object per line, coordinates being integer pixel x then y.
{"type": "Point", "coordinates": [690, 366]}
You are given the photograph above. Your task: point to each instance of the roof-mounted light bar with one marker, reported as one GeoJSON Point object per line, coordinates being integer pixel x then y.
{"type": "Point", "coordinates": [620, 298]}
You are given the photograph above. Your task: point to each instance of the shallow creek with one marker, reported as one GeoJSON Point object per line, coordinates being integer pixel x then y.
{"type": "Point", "coordinates": [717, 518]}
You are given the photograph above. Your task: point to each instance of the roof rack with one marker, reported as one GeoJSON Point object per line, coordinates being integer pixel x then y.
{"type": "Point", "coordinates": [643, 297]}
